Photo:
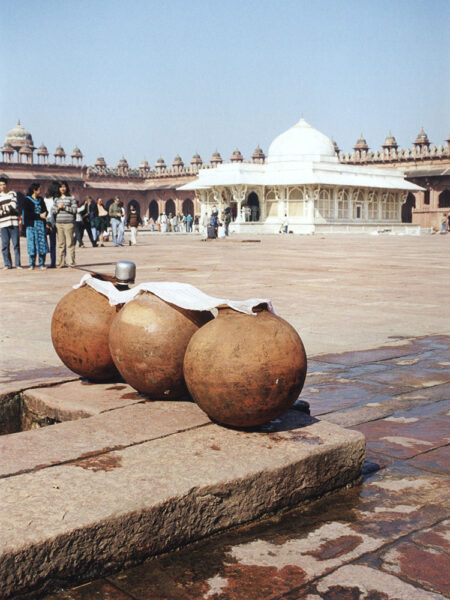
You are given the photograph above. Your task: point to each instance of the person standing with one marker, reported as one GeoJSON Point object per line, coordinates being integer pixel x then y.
{"type": "Point", "coordinates": [102, 221]}
{"type": "Point", "coordinates": [83, 223]}
{"type": "Point", "coordinates": [34, 218]}
{"type": "Point", "coordinates": [163, 220]}
{"type": "Point", "coordinates": [188, 222]}
{"type": "Point", "coordinates": [115, 215]}
{"type": "Point", "coordinates": [93, 215]}
{"type": "Point", "coordinates": [79, 230]}
{"type": "Point", "coordinates": [64, 210]}
{"type": "Point", "coordinates": [205, 223]}
{"type": "Point", "coordinates": [227, 220]}
{"type": "Point", "coordinates": [133, 220]}
{"type": "Point", "coordinates": [50, 226]}
{"type": "Point", "coordinates": [9, 225]}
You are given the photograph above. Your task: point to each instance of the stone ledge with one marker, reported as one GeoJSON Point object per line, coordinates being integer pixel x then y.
{"type": "Point", "coordinates": [161, 494]}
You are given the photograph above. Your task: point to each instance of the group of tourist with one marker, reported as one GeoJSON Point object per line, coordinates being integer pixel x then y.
{"type": "Point", "coordinates": [216, 226]}
{"type": "Point", "coordinates": [177, 223]}
{"type": "Point", "coordinates": [55, 224]}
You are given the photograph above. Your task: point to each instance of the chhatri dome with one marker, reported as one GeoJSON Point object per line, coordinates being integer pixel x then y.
{"type": "Point", "coordinates": [18, 137]}
{"type": "Point", "coordinates": [301, 143]}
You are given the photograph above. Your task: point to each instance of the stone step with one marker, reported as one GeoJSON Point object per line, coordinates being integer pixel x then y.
{"type": "Point", "coordinates": [73, 517]}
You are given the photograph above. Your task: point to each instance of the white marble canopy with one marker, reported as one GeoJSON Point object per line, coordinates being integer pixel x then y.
{"type": "Point", "coordinates": [300, 156]}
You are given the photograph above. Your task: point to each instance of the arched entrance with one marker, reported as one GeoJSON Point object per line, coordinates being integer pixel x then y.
{"type": "Point", "coordinates": [188, 207]}
{"type": "Point", "coordinates": [407, 208]}
{"type": "Point", "coordinates": [170, 207]}
{"type": "Point", "coordinates": [444, 199]}
{"type": "Point", "coordinates": [153, 210]}
{"type": "Point", "coordinates": [253, 204]}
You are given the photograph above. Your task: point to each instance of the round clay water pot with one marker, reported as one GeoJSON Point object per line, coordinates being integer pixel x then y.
{"type": "Point", "coordinates": [148, 339]}
{"type": "Point", "coordinates": [244, 370]}
{"type": "Point", "coordinates": [80, 333]}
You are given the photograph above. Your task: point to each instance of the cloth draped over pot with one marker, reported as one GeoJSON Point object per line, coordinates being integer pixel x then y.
{"type": "Point", "coordinates": [183, 295]}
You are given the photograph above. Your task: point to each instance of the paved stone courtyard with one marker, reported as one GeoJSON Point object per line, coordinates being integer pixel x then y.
{"type": "Point", "coordinates": [373, 314]}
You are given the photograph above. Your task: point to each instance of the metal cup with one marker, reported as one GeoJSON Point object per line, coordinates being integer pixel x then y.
{"type": "Point", "coordinates": [125, 272]}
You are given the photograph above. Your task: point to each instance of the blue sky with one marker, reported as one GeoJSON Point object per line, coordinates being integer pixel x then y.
{"type": "Point", "coordinates": [147, 78]}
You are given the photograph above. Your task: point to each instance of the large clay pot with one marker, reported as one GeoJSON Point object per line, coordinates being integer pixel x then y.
{"type": "Point", "coordinates": [80, 333]}
{"type": "Point", "coordinates": [148, 339]}
{"type": "Point", "coordinates": [244, 370]}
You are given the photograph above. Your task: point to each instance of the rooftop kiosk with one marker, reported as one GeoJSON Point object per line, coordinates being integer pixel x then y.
{"type": "Point", "coordinates": [303, 185]}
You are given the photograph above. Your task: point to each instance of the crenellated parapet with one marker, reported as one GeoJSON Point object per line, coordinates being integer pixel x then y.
{"type": "Point", "coordinates": [390, 153]}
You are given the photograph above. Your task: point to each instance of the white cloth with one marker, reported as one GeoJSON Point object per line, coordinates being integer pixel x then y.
{"type": "Point", "coordinates": [183, 295]}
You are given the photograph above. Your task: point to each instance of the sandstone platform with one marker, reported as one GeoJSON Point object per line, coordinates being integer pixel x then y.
{"type": "Point", "coordinates": [129, 478]}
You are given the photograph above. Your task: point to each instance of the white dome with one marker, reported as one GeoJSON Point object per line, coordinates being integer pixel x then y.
{"type": "Point", "coordinates": [301, 143]}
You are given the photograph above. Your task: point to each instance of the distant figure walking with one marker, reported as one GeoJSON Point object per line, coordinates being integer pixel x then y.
{"type": "Point", "coordinates": [64, 210]}
{"type": "Point", "coordinates": [115, 215]}
{"type": "Point", "coordinates": [9, 225]}
{"type": "Point", "coordinates": [34, 218]}
{"type": "Point", "coordinates": [83, 223]}
{"type": "Point", "coordinates": [133, 220]}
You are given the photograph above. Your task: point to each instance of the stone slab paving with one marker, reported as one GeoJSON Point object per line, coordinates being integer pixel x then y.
{"type": "Point", "coordinates": [365, 306]}
{"type": "Point", "coordinates": [341, 292]}
{"type": "Point", "coordinates": [386, 539]}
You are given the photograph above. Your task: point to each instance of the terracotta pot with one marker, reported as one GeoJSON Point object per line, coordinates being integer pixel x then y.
{"type": "Point", "coordinates": [80, 332]}
{"type": "Point", "coordinates": [148, 339]}
{"type": "Point", "coordinates": [244, 370]}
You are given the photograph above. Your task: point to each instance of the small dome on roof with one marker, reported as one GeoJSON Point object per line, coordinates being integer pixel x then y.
{"type": "Point", "coordinates": [26, 150]}
{"type": "Point", "coordinates": [18, 137]}
{"type": "Point", "coordinates": [361, 144]}
{"type": "Point", "coordinates": [100, 162]}
{"type": "Point", "coordinates": [77, 153]}
{"type": "Point", "coordinates": [390, 142]}
{"type": "Point", "coordinates": [301, 143]}
{"type": "Point", "coordinates": [178, 161]}
{"type": "Point", "coordinates": [196, 159]}
{"type": "Point", "coordinates": [237, 156]}
{"type": "Point", "coordinates": [160, 163]}
{"type": "Point", "coordinates": [422, 139]}
{"type": "Point", "coordinates": [144, 164]}
{"type": "Point", "coordinates": [60, 151]}
{"type": "Point", "coordinates": [258, 154]}
{"type": "Point", "coordinates": [123, 162]}
{"type": "Point", "coordinates": [8, 148]}
{"type": "Point", "coordinates": [216, 158]}
{"type": "Point", "coordinates": [42, 150]}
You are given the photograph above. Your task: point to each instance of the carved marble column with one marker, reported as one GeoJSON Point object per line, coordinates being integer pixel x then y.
{"type": "Point", "coordinates": [238, 192]}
